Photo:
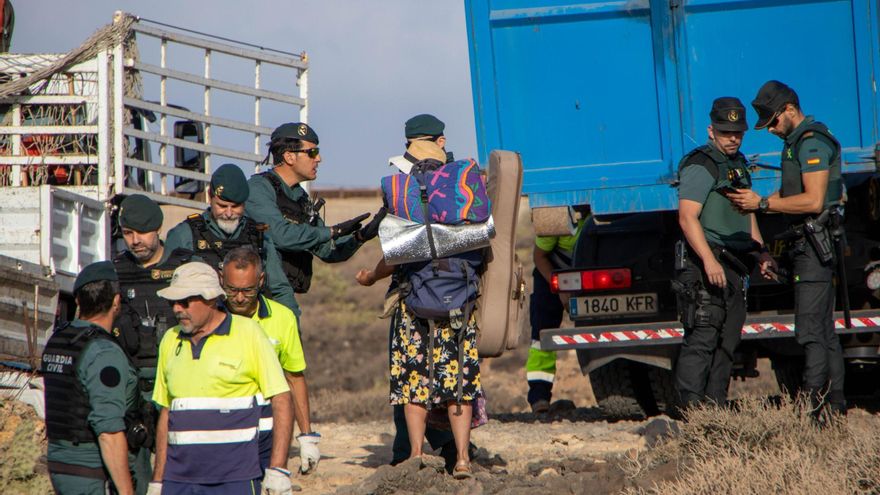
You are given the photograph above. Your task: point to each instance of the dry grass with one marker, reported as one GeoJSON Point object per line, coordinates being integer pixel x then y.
{"type": "Point", "coordinates": [22, 443]}
{"type": "Point", "coordinates": [761, 448]}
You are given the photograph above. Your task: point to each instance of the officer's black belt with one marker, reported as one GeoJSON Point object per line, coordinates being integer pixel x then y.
{"type": "Point", "coordinates": [56, 467]}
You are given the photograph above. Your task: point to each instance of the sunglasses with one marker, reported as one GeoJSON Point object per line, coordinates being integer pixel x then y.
{"type": "Point", "coordinates": [246, 291]}
{"type": "Point", "coordinates": [312, 152]}
{"type": "Point", "coordinates": [184, 303]}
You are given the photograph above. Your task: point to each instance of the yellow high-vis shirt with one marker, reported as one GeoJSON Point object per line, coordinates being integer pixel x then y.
{"type": "Point", "coordinates": [236, 360]}
{"type": "Point", "coordinates": [281, 327]}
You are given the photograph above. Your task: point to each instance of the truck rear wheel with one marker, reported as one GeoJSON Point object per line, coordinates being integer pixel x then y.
{"type": "Point", "coordinates": [623, 390]}
{"type": "Point", "coordinates": [663, 388]}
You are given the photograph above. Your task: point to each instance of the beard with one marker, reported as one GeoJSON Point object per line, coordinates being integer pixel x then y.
{"type": "Point", "coordinates": [228, 225]}
{"type": "Point", "coordinates": [185, 324]}
{"type": "Point", "coordinates": [144, 253]}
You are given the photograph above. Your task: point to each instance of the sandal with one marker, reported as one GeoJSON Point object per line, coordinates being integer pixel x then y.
{"type": "Point", "coordinates": [462, 470]}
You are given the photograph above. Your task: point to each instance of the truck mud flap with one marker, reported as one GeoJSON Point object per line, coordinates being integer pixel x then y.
{"type": "Point", "coordinates": [671, 333]}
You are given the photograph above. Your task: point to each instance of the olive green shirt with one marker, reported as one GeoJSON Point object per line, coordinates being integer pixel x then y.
{"type": "Point", "coordinates": [108, 399]}
{"type": "Point", "coordinates": [814, 154]}
{"type": "Point", "coordinates": [181, 237]}
{"type": "Point", "coordinates": [722, 224]}
{"type": "Point", "coordinates": [262, 206]}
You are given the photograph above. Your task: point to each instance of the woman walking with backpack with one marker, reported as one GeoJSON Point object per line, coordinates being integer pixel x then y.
{"type": "Point", "coordinates": [434, 365]}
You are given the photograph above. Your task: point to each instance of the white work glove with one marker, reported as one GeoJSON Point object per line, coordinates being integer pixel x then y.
{"type": "Point", "coordinates": [309, 455]}
{"type": "Point", "coordinates": [277, 482]}
{"type": "Point", "coordinates": [155, 488]}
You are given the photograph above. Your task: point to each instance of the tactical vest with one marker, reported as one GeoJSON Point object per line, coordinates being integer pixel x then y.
{"type": "Point", "coordinates": [212, 249]}
{"type": "Point", "coordinates": [792, 179]}
{"type": "Point", "coordinates": [145, 316]}
{"type": "Point", "coordinates": [297, 265]}
{"type": "Point", "coordinates": [717, 211]}
{"type": "Point", "coordinates": [67, 402]}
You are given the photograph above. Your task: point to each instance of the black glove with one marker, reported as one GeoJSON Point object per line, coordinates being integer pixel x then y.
{"type": "Point", "coordinates": [347, 227]}
{"type": "Point", "coordinates": [371, 229]}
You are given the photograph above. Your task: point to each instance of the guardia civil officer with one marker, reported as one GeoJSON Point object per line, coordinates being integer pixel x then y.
{"type": "Point", "coordinates": [214, 370]}
{"type": "Point", "coordinates": [142, 271]}
{"type": "Point", "coordinates": [92, 399]}
{"type": "Point", "coordinates": [225, 226]}
{"type": "Point", "coordinates": [243, 277]}
{"type": "Point", "coordinates": [810, 193]}
{"type": "Point", "coordinates": [713, 275]}
{"type": "Point", "coordinates": [298, 231]}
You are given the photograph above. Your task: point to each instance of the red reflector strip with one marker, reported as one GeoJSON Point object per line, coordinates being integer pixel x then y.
{"type": "Point", "coordinates": [677, 333]}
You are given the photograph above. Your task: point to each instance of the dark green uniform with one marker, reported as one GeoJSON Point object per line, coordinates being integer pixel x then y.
{"type": "Point", "coordinates": [181, 237]}
{"type": "Point", "coordinates": [812, 148]}
{"type": "Point", "coordinates": [110, 383]}
{"type": "Point", "coordinates": [291, 235]}
{"type": "Point", "coordinates": [712, 317]}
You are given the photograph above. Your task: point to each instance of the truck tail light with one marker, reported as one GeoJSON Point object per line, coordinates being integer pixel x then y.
{"type": "Point", "coordinates": [585, 280]}
{"type": "Point", "coordinates": [617, 278]}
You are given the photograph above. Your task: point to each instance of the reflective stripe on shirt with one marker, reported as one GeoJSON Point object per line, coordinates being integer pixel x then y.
{"type": "Point", "coordinates": [211, 436]}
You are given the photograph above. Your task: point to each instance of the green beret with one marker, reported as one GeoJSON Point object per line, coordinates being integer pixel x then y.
{"type": "Point", "coordinates": [295, 130]}
{"type": "Point", "coordinates": [140, 213]}
{"type": "Point", "coordinates": [102, 270]}
{"type": "Point", "coordinates": [423, 125]}
{"type": "Point", "coordinates": [229, 184]}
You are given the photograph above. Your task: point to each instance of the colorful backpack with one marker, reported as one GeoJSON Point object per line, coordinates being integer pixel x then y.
{"type": "Point", "coordinates": [456, 193]}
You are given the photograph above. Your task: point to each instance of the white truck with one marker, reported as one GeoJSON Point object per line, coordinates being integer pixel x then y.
{"type": "Point", "coordinates": [139, 107]}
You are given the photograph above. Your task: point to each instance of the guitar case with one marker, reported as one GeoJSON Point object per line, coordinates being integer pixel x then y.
{"type": "Point", "coordinates": [502, 309]}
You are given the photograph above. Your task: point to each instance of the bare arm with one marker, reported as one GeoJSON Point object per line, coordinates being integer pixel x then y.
{"type": "Point", "coordinates": [756, 232]}
{"type": "Point", "coordinates": [689, 221]}
{"type": "Point", "coordinates": [300, 392]}
{"type": "Point", "coordinates": [282, 429]}
{"type": "Point", "coordinates": [114, 453]}
{"type": "Point", "coordinates": [161, 445]}
{"type": "Point", "coordinates": [809, 201]}
{"type": "Point", "coordinates": [369, 277]}
{"type": "Point", "coordinates": [542, 263]}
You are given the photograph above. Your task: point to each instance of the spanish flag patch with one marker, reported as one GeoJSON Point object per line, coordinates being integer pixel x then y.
{"type": "Point", "coordinates": [814, 161]}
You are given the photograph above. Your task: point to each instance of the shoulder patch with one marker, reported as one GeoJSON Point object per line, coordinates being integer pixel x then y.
{"type": "Point", "coordinates": [194, 216]}
{"type": "Point", "coordinates": [814, 161]}
{"type": "Point", "coordinates": [110, 376]}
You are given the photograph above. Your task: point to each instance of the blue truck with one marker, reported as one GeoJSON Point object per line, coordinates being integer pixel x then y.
{"type": "Point", "coordinates": [603, 98]}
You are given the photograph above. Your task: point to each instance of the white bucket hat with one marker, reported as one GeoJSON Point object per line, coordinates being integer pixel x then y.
{"type": "Point", "coordinates": [193, 279]}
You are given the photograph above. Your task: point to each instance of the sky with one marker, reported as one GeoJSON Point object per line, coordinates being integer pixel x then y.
{"type": "Point", "coordinates": [373, 64]}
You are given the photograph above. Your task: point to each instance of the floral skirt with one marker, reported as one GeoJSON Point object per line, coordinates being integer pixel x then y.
{"type": "Point", "coordinates": [410, 361]}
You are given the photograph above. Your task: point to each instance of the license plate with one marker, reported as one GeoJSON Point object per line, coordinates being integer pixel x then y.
{"type": "Point", "coordinates": [621, 304]}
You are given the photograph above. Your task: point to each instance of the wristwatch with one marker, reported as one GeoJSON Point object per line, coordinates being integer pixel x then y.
{"type": "Point", "coordinates": [763, 204]}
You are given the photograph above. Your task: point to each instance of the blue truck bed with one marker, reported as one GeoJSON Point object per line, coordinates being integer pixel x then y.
{"type": "Point", "coordinates": [602, 98]}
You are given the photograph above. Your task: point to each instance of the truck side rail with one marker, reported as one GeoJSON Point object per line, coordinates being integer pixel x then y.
{"type": "Point", "coordinates": [671, 332]}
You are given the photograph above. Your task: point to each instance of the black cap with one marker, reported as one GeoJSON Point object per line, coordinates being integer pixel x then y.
{"type": "Point", "coordinates": [728, 114]}
{"type": "Point", "coordinates": [102, 270]}
{"type": "Point", "coordinates": [423, 125]}
{"type": "Point", "coordinates": [140, 213]}
{"type": "Point", "coordinates": [295, 130]}
{"type": "Point", "coordinates": [229, 184]}
{"type": "Point", "coordinates": [771, 98]}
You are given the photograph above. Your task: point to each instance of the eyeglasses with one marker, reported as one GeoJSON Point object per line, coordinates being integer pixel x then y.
{"type": "Point", "coordinates": [184, 303]}
{"type": "Point", "coordinates": [246, 291]}
{"type": "Point", "coordinates": [312, 152]}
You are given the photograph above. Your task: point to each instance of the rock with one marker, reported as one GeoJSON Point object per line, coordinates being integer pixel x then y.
{"type": "Point", "coordinates": [658, 429]}
{"type": "Point", "coordinates": [548, 472]}
{"type": "Point", "coordinates": [561, 406]}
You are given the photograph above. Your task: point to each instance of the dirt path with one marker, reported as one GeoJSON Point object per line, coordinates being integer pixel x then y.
{"type": "Point", "coordinates": [513, 449]}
